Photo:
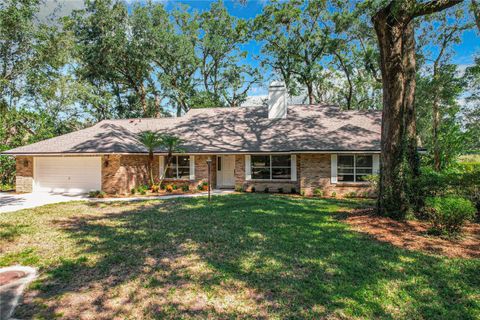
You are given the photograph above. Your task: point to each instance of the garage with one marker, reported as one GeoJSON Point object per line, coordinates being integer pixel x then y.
{"type": "Point", "coordinates": [71, 175]}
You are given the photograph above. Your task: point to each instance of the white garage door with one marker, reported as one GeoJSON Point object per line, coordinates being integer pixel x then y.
{"type": "Point", "coordinates": [67, 174]}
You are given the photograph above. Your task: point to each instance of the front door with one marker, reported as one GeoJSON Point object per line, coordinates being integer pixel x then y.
{"type": "Point", "coordinates": [226, 171]}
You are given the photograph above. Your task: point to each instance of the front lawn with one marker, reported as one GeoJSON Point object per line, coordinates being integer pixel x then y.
{"type": "Point", "coordinates": [242, 256]}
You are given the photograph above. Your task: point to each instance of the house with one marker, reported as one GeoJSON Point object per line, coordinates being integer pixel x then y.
{"type": "Point", "coordinates": [276, 145]}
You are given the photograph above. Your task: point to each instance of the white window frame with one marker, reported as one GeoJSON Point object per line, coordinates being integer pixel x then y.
{"type": "Point", "coordinates": [271, 167]}
{"type": "Point", "coordinates": [355, 167]}
{"type": "Point", "coordinates": [176, 167]}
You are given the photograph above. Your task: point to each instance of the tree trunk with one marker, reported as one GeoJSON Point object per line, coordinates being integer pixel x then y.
{"type": "Point", "coordinates": [409, 63]}
{"type": "Point", "coordinates": [167, 163]}
{"type": "Point", "coordinates": [392, 200]}
{"type": "Point", "coordinates": [150, 168]}
{"type": "Point", "coordinates": [311, 98]}
{"type": "Point", "coordinates": [143, 100]}
{"type": "Point", "coordinates": [435, 127]}
{"type": "Point", "coordinates": [157, 105]}
{"type": "Point", "coordinates": [436, 117]}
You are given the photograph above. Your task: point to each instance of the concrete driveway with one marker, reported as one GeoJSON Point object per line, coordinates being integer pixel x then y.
{"type": "Point", "coordinates": [13, 202]}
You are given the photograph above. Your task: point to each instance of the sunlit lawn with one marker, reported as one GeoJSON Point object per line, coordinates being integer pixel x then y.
{"type": "Point", "coordinates": [242, 256]}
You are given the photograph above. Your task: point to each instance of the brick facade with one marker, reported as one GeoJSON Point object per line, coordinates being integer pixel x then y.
{"type": "Point", "coordinates": [121, 173]}
{"type": "Point", "coordinates": [24, 178]}
{"type": "Point", "coordinates": [315, 174]}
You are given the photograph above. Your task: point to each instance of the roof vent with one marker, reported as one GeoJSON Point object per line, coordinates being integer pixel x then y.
{"type": "Point", "coordinates": [277, 100]}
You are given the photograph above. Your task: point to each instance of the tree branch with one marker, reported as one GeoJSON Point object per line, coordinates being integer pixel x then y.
{"type": "Point", "coordinates": [476, 13]}
{"type": "Point", "coordinates": [422, 9]}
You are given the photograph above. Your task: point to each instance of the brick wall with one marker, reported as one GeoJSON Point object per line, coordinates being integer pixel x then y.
{"type": "Point", "coordinates": [24, 177]}
{"type": "Point", "coordinates": [315, 173]}
{"type": "Point", "coordinates": [121, 173]}
{"type": "Point", "coordinates": [124, 172]}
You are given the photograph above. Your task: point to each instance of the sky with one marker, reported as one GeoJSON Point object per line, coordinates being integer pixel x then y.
{"type": "Point", "coordinates": [464, 52]}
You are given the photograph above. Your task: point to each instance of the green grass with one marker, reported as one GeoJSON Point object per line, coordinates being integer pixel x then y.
{"type": "Point", "coordinates": [242, 256]}
{"type": "Point", "coordinates": [471, 158]}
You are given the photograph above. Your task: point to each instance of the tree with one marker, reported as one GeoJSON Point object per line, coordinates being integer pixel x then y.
{"type": "Point", "coordinates": [154, 140]}
{"type": "Point", "coordinates": [471, 117]}
{"type": "Point", "coordinates": [296, 40]}
{"type": "Point", "coordinates": [174, 39]}
{"type": "Point", "coordinates": [113, 49]}
{"type": "Point", "coordinates": [440, 86]}
{"type": "Point", "coordinates": [172, 144]}
{"type": "Point", "coordinates": [151, 140]}
{"type": "Point", "coordinates": [36, 96]}
{"type": "Point", "coordinates": [355, 82]}
{"type": "Point", "coordinates": [225, 80]}
{"type": "Point", "coordinates": [394, 26]}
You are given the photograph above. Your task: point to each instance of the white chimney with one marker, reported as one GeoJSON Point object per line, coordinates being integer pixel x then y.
{"type": "Point", "coordinates": [277, 100]}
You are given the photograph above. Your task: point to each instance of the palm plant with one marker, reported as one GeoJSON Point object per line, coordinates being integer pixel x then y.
{"type": "Point", "coordinates": [154, 140]}
{"type": "Point", "coordinates": [172, 144]}
{"type": "Point", "coordinates": [151, 140]}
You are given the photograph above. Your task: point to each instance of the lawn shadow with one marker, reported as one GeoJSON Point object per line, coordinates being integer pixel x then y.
{"type": "Point", "coordinates": [276, 256]}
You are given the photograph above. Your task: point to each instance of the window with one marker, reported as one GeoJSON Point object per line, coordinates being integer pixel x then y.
{"type": "Point", "coordinates": [179, 168]}
{"type": "Point", "coordinates": [219, 163]}
{"type": "Point", "coordinates": [354, 168]}
{"type": "Point", "coordinates": [272, 167]}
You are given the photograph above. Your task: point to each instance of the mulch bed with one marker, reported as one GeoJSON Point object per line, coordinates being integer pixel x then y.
{"type": "Point", "coordinates": [413, 235]}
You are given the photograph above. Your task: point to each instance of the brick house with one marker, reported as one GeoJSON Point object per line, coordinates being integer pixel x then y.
{"type": "Point", "coordinates": [275, 145]}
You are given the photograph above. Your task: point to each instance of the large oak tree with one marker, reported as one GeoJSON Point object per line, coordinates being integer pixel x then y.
{"type": "Point", "coordinates": [394, 26]}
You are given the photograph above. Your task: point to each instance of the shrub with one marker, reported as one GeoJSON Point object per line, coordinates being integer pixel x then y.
{"type": "Point", "coordinates": [7, 187]}
{"type": "Point", "coordinates": [318, 192]}
{"type": "Point", "coordinates": [266, 190]}
{"type": "Point", "coordinates": [293, 190]}
{"type": "Point", "coordinates": [162, 187]}
{"type": "Point", "coordinates": [334, 194]}
{"type": "Point", "coordinates": [238, 188]}
{"type": "Point", "coordinates": [155, 188]}
{"type": "Point", "coordinates": [96, 194]}
{"type": "Point", "coordinates": [175, 187]}
{"type": "Point", "coordinates": [142, 189]}
{"type": "Point", "coordinates": [449, 214]}
{"type": "Point", "coordinates": [93, 194]}
{"type": "Point", "coordinates": [374, 180]}
{"type": "Point", "coordinates": [352, 194]}
{"type": "Point", "coordinates": [302, 193]}
{"type": "Point", "coordinates": [462, 180]}
{"type": "Point", "coordinates": [185, 188]}
{"type": "Point", "coordinates": [133, 191]}
{"type": "Point", "coordinates": [280, 190]}
{"type": "Point", "coordinates": [203, 186]}
{"type": "Point", "coordinates": [169, 188]}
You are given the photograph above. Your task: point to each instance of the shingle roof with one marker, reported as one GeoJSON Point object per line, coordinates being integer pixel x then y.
{"type": "Point", "coordinates": [217, 130]}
